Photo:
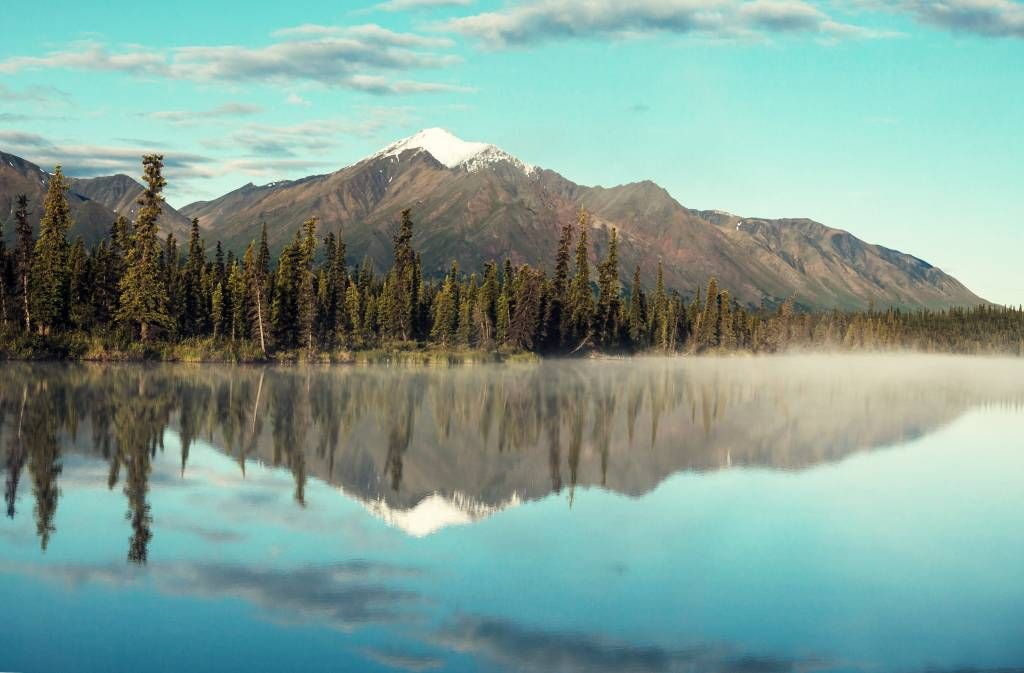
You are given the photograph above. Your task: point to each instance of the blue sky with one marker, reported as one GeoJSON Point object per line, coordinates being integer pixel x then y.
{"type": "Point", "coordinates": [899, 120]}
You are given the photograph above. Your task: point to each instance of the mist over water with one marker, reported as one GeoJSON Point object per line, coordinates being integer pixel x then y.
{"type": "Point", "coordinates": [812, 512]}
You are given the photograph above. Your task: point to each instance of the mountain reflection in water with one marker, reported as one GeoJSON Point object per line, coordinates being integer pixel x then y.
{"type": "Point", "coordinates": [425, 447]}
{"type": "Point", "coordinates": [559, 516]}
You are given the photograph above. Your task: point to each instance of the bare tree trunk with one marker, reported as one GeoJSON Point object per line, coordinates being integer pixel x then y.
{"type": "Point", "coordinates": [259, 321]}
{"type": "Point", "coordinates": [28, 316]}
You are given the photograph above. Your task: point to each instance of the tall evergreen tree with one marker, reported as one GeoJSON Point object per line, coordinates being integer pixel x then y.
{"type": "Point", "coordinates": [306, 300]}
{"type": "Point", "coordinates": [609, 296]}
{"type": "Point", "coordinates": [24, 246]}
{"type": "Point", "coordinates": [194, 313]}
{"type": "Point", "coordinates": [581, 299]}
{"type": "Point", "coordinates": [400, 297]}
{"type": "Point", "coordinates": [256, 294]}
{"type": "Point", "coordinates": [637, 327]}
{"type": "Point", "coordinates": [556, 315]}
{"type": "Point", "coordinates": [49, 284]}
{"type": "Point", "coordinates": [143, 295]}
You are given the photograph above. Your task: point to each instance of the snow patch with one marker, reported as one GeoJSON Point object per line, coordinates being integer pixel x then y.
{"type": "Point", "coordinates": [435, 512]}
{"type": "Point", "coordinates": [452, 151]}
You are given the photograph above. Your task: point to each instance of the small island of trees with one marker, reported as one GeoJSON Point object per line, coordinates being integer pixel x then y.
{"type": "Point", "coordinates": [136, 296]}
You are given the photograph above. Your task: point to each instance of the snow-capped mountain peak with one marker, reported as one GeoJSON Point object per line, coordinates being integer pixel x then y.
{"type": "Point", "coordinates": [452, 151]}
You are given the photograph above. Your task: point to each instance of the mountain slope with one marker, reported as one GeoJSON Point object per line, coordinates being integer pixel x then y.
{"type": "Point", "coordinates": [472, 202]}
{"type": "Point", "coordinates": [94, 202]}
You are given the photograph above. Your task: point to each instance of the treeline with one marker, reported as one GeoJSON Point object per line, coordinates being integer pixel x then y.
{"type": "Point", "coordinates": [135, 287]}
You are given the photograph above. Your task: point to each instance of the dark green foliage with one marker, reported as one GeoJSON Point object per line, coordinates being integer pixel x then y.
{"type": "Point", "coordinates": [143, 294]}
{"type": "Point", "coordinates": [48, 285]}
{"type": "Point", "coordinates": [23, 259]}
{"type": "Point", "coordinates": [307, 300]}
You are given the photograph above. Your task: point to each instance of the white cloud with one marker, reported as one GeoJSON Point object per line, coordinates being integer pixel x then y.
{"type": "Point", "coordinates": [225, 111]}
{"type": "Point", "coordinates": [405, 5]}
{"type": "Point", "coordinates": [354, 57]}
{"type": "Point", "coordinates": [538, 21]}
{"type": "Point", "coordinates": [296, 99]}
{"type": "Point", "coordinates": [990, 18]}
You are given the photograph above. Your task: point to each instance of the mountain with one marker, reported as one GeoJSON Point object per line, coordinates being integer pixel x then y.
{"type": "Point", "coordinates": [94, 202]}
{"type": "Point", "coordinates": [473, 202]}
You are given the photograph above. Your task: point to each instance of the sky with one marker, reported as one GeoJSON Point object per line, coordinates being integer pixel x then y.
{"type": "Point", "coordinates": [901, 121]}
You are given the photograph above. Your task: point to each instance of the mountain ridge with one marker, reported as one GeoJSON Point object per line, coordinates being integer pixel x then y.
{"type": "Point", "coordinates": [95, 202]}
{"type": "Point", "coordinates": [478, 203]}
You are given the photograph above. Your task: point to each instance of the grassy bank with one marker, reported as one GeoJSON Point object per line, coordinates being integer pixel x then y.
{"type": "Point", "coordinates": [83, 347]}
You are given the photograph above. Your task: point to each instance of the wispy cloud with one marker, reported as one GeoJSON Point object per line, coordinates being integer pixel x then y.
{"type": "Point", "coordinates": [225, 111]}
{"type": "Point", "coordinates": [343, 596]}
{"type": "Point", "coordinates": [355, 57]}
{"type": "Point", "coordinates": [537, 21]}
{"type": "Point", "coordinates": [405, 5]}
{"type": "Point", "coordinates": [85, 161]}
{"type": "Point", "coordinates": [519, 648]}
{"type": "Point", "coordinates": [296, 99]}
{"type": "Point", "coordinates": [33, 94]}
{"type": "Point", "coordinates": [990, 18]}
{"type": "Point", "coordinates": [307, 139]}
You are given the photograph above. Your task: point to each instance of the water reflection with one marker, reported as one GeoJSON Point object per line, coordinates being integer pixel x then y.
{"type": "Point", "coordinates": [245, 494]}
{"type": "Point", "coordinates": [423, 448]}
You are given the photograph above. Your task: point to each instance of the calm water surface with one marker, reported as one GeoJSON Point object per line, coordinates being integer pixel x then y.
{"type": "Point", "coordinates": [741, 515]}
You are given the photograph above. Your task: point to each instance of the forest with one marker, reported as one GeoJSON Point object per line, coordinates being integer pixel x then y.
{"type": "Point", "coordinates": [137, 296]}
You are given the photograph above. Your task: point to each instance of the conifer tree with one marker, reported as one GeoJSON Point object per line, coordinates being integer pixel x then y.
{"type": "Point", "coordinates": [80, 282]}
{"type": "Point", "coordinates": [217, 309]}
{"type": "Point", "coordinates": [284, 314]}
{"type": "Point", "coordinates": [709, 325]}
{"type": "Point", "coordinates": [354, 312]}
{"type": "Point", "coordinates": [445, 316]}
{"type": "Point", "coordinates": [174, 281]}
{"type": "Point", "coordinates": [726, 334]}
{"type": "Point", "coordinates": [637, 328]}
{"type": "Point", "coordinates": [143, 295]}
{"type": "Point", "coordinates": [306, 300]}
{"type": "Point", "coordinates": [581, 299]}
{"type": "Point", "coordinates": [556, 315]}
{"type": "Point", "coordinates": [239, 306]}
{"type": "Point", "coordinates": [400, 298]}
{"type": "Point", "coordinates": [24, 246]}
{"type": "Point", "coordinates": [607, 315]}
{"type": "Point", "coordinates": [49, 284]}
{"type": "Point", "coordinates": [194, 316]}
{"type": "Point", "coordinates": [256, 293]}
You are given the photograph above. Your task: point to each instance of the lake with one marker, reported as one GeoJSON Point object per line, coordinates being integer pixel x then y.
{"type": "Point", "coordinates": [743, 515]}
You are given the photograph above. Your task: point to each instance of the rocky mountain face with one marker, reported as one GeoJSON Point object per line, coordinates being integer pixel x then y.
{"type": "Point", "coordinates": [473, 203]}
{"type": "Point", "coordinates": [95, 202]}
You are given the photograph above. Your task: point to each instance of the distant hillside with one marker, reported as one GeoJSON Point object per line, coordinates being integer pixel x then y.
{"type": "Point", "coordinates": [94, 201]}
{"type": "Point", "coordinates": [473, 202]}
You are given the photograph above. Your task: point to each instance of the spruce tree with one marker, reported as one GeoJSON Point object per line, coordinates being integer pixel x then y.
{"type": "Point", "coordinates": [637, 328]}
{"type": "Point", "coordinates": [24, 246]}
{"type": "Point", "coordinates": [354, 313]}
{"type": "Point", "coordinates": [256, 295]}
{"type": "Point", "coordinates": [606, 323]}
{"type": "Point", "coordinates": [445, 314]}
{"type": "Point", "coordinates": [284, 305]}
{"type": "Point", "coordinates": [194, 318]}
{"type": "Point", "coordinates": [581, 299]}
{"type": "Point", "coordinates": [49, 284]}
{"type": "Point", "coordinates": [143, 295]}
{"type": "Point", "coordinates": [80, 283]}
{"type": "Point", "coordinates": [556, 315]}
{"type": "Point", "coordinates": [400, 298]}
{"type": "Point", "coordinates": [306, 299]}
{"type": "Point", "coordinates": [708, 330]}
{"type": "Point", "coordinates": [239, 306]}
